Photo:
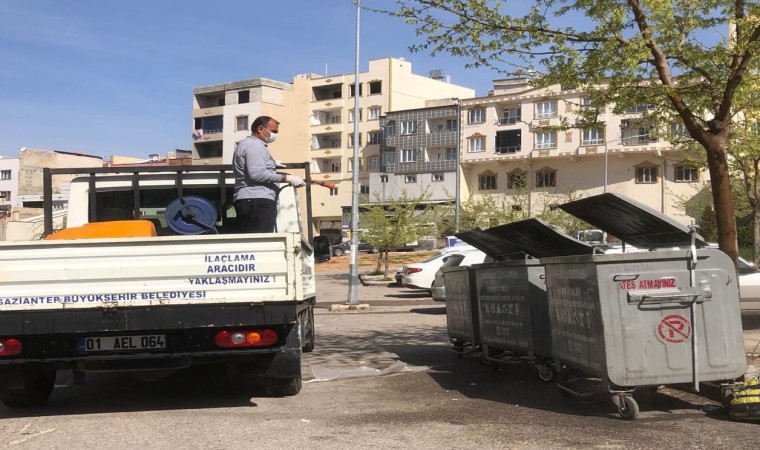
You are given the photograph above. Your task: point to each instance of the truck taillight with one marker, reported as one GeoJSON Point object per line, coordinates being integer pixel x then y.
{"type": "Point", "coordinates": [10, 347]}
{"type": "Point", "coordinates": [245, 338]}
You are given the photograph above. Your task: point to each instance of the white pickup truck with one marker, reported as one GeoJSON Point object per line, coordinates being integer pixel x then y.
{"type": "Point", "coordinates": [194, 291]}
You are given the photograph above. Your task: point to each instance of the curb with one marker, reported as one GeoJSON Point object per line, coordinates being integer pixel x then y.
{"type": "Point", "coordinates": [367, 280]}
{"type": "Point", "coordinates": [342, 307]}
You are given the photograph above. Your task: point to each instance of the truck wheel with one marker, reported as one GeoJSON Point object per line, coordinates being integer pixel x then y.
{"type": "Point", "coordinates": [306, 321]}
{"type": "Point", "coordinates": [282, 387]}
{"type": "Point", "coordinates": [37, 389]}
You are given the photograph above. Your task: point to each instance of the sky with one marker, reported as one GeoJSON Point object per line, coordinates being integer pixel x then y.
{"type": "Point", "coordinates": [115, 77]}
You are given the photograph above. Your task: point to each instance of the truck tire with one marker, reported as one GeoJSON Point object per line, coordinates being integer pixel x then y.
{"type": "Point", "coordinates": [306, 322]}
{"type": "Point", "coordinates": [282, 387]}
{"type": "Point", "coordinates": [37, 389]}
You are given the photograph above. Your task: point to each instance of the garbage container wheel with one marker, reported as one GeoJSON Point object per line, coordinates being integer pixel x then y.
{"type": "Point", "coordinates": [627, 406]}
{"type": "Point", "coordinates": [545, 372]}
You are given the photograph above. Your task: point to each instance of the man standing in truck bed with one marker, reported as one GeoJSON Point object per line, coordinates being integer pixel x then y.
{"type": "Point", "coordinates": [256, 178]}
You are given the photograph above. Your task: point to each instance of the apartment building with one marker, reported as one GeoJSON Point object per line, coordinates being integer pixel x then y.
{"type": "Point", "coordinates": [514, 145]}
{"type": "Point", "coordinates": [316, 114]}
{"type": "Point", "coordinates": [418, 154]}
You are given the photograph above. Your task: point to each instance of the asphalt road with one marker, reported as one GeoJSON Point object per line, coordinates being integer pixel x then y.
{"type": "Point", "coordinates": [443, 402]}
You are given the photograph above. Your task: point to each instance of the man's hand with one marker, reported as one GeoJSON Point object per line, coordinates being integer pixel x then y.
{"type": "Point", "coordinates": [295, 181]}
{"type": "Point", "coordinates": [280, 165]}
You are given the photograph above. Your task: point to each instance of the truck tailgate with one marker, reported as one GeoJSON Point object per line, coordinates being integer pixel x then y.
{"type": "Point", "coordinates": [172, 270]}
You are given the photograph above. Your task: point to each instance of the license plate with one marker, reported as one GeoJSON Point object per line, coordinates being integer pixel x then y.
{"type": "Point", "coordinates": [121, 343]}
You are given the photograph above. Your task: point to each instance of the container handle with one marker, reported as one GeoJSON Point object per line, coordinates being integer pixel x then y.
{"type": "Point", "coordinates": [684, 296]}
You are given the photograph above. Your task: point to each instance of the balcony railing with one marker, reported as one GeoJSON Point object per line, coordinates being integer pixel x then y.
{"type": "Point", "coordinates": [508, 150]}
{"type": "Point", "coordinates": [421, 167]}
{"type": "Point", "coordinates": [638, 140]}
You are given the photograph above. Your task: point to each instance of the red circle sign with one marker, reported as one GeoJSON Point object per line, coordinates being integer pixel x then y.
{"type": "Point", "coordinates": [674, 329]}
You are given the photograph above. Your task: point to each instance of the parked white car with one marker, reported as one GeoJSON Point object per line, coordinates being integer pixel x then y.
{"type": "Point", "coordinates": [749, 286]}
{"type": "Point", "coordinates": [421, 275]}
{"type": "Point", "coordinates": [454, 260]}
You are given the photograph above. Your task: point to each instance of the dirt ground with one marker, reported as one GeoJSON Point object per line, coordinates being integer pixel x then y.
{"type": "Point", "coordinates": [368, 261]}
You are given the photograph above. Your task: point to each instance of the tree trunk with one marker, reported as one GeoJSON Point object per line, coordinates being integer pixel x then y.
{"type": "Point", "coordinates": [720, 181]}
{"type": "Point", "coordinates": [385, 274]}
{"type": "Point", "coordinates": [756, 232]}
{"type": "Point", "coordinates": [379, 261]}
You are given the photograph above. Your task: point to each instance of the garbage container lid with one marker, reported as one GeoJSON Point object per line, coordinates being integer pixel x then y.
{"type": "Point", "coordinates": [631, 221]}
{"type": "Point", "coordinates": [533, 237]}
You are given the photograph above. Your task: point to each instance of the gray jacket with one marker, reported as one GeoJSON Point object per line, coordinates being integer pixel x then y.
{"type": "Point", "coordinates": [254, 169]}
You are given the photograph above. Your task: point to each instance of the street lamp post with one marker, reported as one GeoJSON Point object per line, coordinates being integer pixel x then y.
{"type": "Point", "coordinates": [458, 168]}
{"type": "Point", "coordinates": [353, 279]}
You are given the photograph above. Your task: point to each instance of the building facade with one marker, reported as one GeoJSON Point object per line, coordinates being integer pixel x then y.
{"type": "Point", "coordinates": [316, 115]}
{"type": "Point", "coordinates": [418, 154]}
{"type": "Point", "coordinates": [515, 144]}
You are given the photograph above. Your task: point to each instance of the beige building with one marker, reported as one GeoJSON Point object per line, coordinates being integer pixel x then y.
{"type": "Point", "coordinates": [317, 122]}
{"type": "Point", "coordinates": [513, 144]}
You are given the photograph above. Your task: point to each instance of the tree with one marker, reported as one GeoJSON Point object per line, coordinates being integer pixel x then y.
{"type": "Point", "coordinates": [623, 53]}
{"type": "Point", "coordinates": [393, 223]}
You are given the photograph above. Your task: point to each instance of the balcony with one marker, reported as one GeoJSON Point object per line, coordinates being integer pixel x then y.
{"type": "Point", "coordinates": [421, 167]}
{"type": "Point", "coordinates": [326, 141]}
{"type": "Point", "coordinates": [208, 112]}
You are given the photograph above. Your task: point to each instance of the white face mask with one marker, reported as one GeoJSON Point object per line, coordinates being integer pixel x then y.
{"type": "Point", "coordinates": [272, 137]}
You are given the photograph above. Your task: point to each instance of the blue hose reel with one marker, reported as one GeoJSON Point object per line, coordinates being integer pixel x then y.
{"type": "Point", "coordinates": [191, 214]}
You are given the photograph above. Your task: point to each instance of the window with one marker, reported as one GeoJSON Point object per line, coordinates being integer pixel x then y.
{"type": "Point", "coordinates": [546, 177]}
{"type": "Point", "coordinates": [408, 155]}
{"type": "Point", "coordinates": [383, 178]}
{"type": "Point", "coordinates": [678, 130]}
{"type": "Point", "coordinates": [241, 123]}
{"type": "Point", "coordinates": [546, 139]}
{"type": "Point", "coordinates": [476, 115]}
{"type": "Point", "coordinates": [333, 191]}
{"type": "Point", "coordinates": [517, 179]}
{"type": "Point", "coordinates": [390, 129]}
{"type": "Point", "coordinates": [353, 88]}
{"type": "Point", "coordinates": [375, 87]}
{"type": "Point", "coordinates": [588, 105]}
{"type": "Point", "coordinates": [593, 136]}
{"type": "Point", "coordinates": [364, 189]}
{"type": "Point", "coordinates": [244, 96]}
{"type": "Point", "coordinates": [510, 116]}
{"type": "Point", "coordinates": [351, 139]}
{"type": "Point", "coordinates": [644, 136]}
{"type": "Point", "coordinates": [451, 154]}
{"type": "Point", "coordinates": [437, 177]}
{"type": "Point", "coordinates": [646, 175]}
{"type": "Point", "coordinates": [388, 157]}
{"type": "Point", "coordinates": [5, 195]}
{"type": "Point", "coordinates": [477, 144]}
{"type": "Point", "coordinates": [350, 164]}
{"type": "Point", "coordinates": [686, 174]}
{"type": "Point", "coordinates": [5, 174]}
{"type": "Point", "coordinates": [374, 113]}
{"type": "Point", "coordinates": [409, 127]}
{"type": "Point", "coordinates": [373, 137]}
{"type": "Point", "coordinates": [374, 163]}
{"type": "Point", "coordinates": [487, 181]}
{"type": "Point", "coordinates": [451, 125]}
{"type": "Point", "coordinates": [639, 109]}
{"type": "Point", "coordinates": [546, 110]}
{"type": "Point", "coordinates": [410, 178]}
{"type": "Point", "coordinates": [335, 167]}
{"type": "Point", "coordinates": [351, 115]}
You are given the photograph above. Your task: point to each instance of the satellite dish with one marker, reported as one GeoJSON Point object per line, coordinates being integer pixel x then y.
{"type": "Point", "coordinates": [191, 214]}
